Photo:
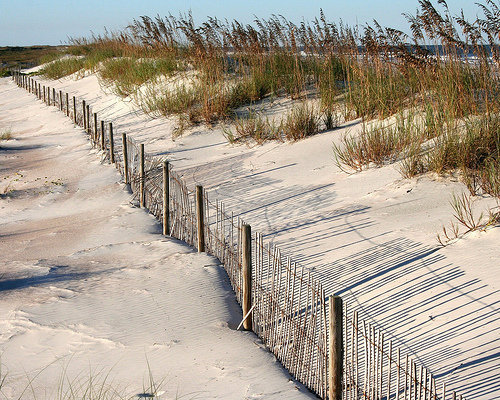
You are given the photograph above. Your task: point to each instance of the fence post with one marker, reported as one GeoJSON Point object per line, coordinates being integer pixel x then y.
{"type": "Point", "coordinates": [74, 109]}
{"type": "Point", "coordinates": [48, 95]}
{"type": "Point", "coordinates": [67, 104]}
{"type": "Point", "coordinates": [111, 144]}
{"type": "Point", "coordinates": [94, 139]}
{"type": "Point", "coordinates": [246, 270]}
{"type": "Point", "coordinates": [60, 100]}
{"type": "Point", "coordinates": [44, 99]}
{"type": "Point", "coordinates": [40, 91]}
{"type": "Point", "coordinates": [199, 218]}
{"type": "Point", "coordinates": [166, 199]}
{"type": "Point", "coordinates": [84, 117]}
{"type": "Point", "coordinates": [88, 120]}
{"type": "Point", "coordinates": [125, 157]}
{"type": "Point", "coordinates": [103, 142]}
{"type": "Point", "coordinates": [336, 348]}
{"type": "Point", "coordinates": [54, 96]}
{"type": "Point", "coordinates": [141, 176]}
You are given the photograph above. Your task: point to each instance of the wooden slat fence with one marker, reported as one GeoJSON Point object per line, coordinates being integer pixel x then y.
{"type": "Point", "coordinates": [290, 312]}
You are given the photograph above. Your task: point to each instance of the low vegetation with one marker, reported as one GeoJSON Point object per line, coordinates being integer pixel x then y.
{"type": "Point", "coordinates": [437, 105]}
{"type": "Point", "coordinates": [6, 134]}
{"type": "Point", "coordinates": [466, 220]}
{"type": "Point", "coordinates": [16, 57]}
{"type": "Point", "coordinates": [93, 385]}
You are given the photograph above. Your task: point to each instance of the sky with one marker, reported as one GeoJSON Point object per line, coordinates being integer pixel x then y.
{"type": "Point", "coordinates": [33, 22]}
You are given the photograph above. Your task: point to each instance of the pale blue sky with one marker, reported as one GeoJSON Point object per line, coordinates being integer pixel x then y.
{"type": "Point", "coordinates": [52, 21]}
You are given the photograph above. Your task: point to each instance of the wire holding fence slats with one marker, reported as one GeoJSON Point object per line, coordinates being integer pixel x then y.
{"type": "Point", "coordinates": [290, 313]}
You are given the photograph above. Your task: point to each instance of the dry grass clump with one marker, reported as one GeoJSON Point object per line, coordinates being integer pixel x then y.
{"type": "Point", "coordinates": [302, 121]}
{"type": "Point", "coordinates": [253, 127]}
{"type": "Point", "coordinates": [465, 217]}
{"type": "Point", "coordinates": [378, 143]}
{"type": "Point", "coordinates": [6, 134]}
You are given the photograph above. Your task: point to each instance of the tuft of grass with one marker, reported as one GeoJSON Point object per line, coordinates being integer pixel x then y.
{"type": "Point", "coordinates": [6, 134]}
{"type": "Point", "coordinates": [465, 217]}
{"type": "Point", "coordinates": [253, 127]}
{"type": "Point", "coordinates": [177, 100]}
{"type": "Point", "coordinates": [302, 121]}
{"type": "Point", "coordinates": [378, 143]}
{"type": "Point", "coordinates": [474, 150]}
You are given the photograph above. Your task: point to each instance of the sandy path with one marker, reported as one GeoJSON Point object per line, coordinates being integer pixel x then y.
{"type": "Point", "coordinates": [88, 288]}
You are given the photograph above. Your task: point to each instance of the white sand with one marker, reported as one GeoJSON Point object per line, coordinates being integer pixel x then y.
{"type": "Point", "coordinates": [88, 288]}
{"type": "Point", "coordinates": [369, 236]}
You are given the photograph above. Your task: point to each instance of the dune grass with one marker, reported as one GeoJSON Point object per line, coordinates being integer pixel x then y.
{"type": "Point", "coordinates": [127, 74]}
{"type": "Point", "coordinates": [466, 220]}
{"type": "Point", "coordinates": [91, 385]}
{"type": "Point", "coordinates": [6, 134]}
{"type": "Point", "coordinates": [373, 73]}
{"type": "Point", "coordinates": [62, 67]}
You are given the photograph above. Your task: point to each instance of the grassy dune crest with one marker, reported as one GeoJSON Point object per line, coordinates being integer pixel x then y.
{"type": "Point", "coordinates": [435, 92]}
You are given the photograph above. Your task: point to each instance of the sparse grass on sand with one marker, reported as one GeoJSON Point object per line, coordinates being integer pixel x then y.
{"type": "Point", "coordinates": [92, 385]}
{"type": "Point", "coordinates": [6, 134]}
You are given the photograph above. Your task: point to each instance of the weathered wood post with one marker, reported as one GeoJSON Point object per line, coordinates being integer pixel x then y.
{"type": "Point", "coordinates": [88, 120]}
{"type": "Point", "coordinates": [103, 143]}
{"type": "Point", "coordinates": [61, 105]}
{"type": "Point", "coordinates": [48, 95]}
{"type": "Point", "coordinates": [246, 270]}
{"type": "Point", "coordinates": [125, 157]}
{"type": "Point", "coordinates": [200, 219]}
{"type": "Point", "coordinates": [54, 96]}
{"type": "Point", "coordinates": [94, 139]}
{"type": "Point", "coordinates": [166, 198]}
{"type": "Point", "coordinates": [44, 98]}
{"type": "Point", "coordinates": [74, 109]}
{"type": "Point", "coordinates": [67, 104]}
{"type": "Point", "coordinates": [111, 144]}
{"type": "Point", "coordinates": [336, 348]}
{"type": "Point", "coordinates": [40, 91]}
{"type": "Point", "coordinates": [84, 117]}
{"type": "Point", "coordinates": [142, 178]}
